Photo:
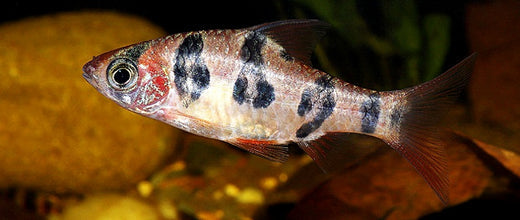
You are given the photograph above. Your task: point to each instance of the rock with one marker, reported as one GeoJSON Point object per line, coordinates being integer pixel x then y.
{"type": "Point", "coordinates": [386, 186]}
{"type": "Point", "coordinates": [494, 85]}
{"type": "Point", "coordinates": [495, 19]}
{"type": "Point", "coordinates": [57, 133]}
{"type": "Point", "coordinates": [109, 206]}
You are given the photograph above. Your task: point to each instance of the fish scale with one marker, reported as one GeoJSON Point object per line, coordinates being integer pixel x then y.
{"type": "Point", "coordinates": [255, 88]}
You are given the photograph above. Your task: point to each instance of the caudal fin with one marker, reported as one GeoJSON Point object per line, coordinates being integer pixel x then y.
{"type": "Point", "coordinates": [416, 138]}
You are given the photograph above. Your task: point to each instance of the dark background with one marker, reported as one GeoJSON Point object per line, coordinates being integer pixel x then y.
{"type": "Point", "coordinates": [193, 14]}
{"type": "Point", "coordinates": [171, 15]}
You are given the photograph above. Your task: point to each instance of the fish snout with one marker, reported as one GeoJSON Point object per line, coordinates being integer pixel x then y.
{"type": "Point", "coordinates": [89, 67]}
{"type": "Point", "coordinates": [90, 71]}
{"type": "Point", "coordinates": [87, 77]}
{"type": "Point", "coordinates": [87, 72]}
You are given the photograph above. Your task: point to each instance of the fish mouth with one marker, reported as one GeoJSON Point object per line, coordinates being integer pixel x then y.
{"type": "Point", "coordinates": [87, 77]}
{"type": "Point", "coordinates": [90, 79]}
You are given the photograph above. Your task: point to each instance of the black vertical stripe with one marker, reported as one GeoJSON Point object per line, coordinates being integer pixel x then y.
{"type": "Point", "coordinates": [191, 73]}
{"type": "Point", "coordinates": [251, 85]}
{"type": "Point", "coordinates": [136, 51]}
{"type": "Point", "coordinates": [305, 105]}
{"type": "Point", "coordinates": [320, 97]}
{"type": "Point", "coordinates": [395, 117]}
{"type": "Point", "coordinates": [239, 90]}
{"type": "Point", "coordinates": [265, 94]}
{"type": "Point", "coordinates": [370, 110]}
{"type": "Point", "coordinates": [251, 51]}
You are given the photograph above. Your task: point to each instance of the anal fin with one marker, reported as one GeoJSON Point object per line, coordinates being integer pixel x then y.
{"type": "Point", "coordinates": [265, 148]}
{"type": "Point", "coordinates": [335, 151]}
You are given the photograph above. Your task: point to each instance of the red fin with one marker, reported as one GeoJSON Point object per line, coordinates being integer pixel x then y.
{"type": "Point", "coordinates": [267, 149]}
{"type": "Point", "coordinates": [318, 151]}
{"type": "Point", "coordinates": [416, 137]}
{"type": "Point", "coordinates": [298, 37]}
{"type": "Point", "coordinates": [331, 153]}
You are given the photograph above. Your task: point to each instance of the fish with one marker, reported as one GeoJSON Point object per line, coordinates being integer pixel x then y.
{"type": "Point", "coordinates": [255, 88]}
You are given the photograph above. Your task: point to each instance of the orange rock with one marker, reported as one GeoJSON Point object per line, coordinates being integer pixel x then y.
{"type": "Point", "coordinates": [492, 31]}
{"type": "Point", "coordinates": [56, 132]}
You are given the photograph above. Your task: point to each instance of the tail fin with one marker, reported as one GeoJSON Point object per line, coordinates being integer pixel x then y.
{"type": "Point", "coordinates": [417, 139]}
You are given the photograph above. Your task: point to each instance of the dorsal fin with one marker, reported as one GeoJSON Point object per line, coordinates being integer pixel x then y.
{"type": "Point", "coordinates": [298, 37]}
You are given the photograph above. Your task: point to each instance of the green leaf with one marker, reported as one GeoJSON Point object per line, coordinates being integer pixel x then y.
{"type": "Point", "coordinates": [402, 27]}
{"type": "Point", "coordinates": [344, 17]}
{"type": "Point", "coordinates": [437, 36]}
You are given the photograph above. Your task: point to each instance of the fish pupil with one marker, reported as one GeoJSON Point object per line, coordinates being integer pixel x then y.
{"type": "Point", "coordinates": [122, 76]}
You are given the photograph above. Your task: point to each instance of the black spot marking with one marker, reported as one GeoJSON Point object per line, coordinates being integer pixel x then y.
{"type": "Point", "coordinates": [239, 90]}
{"type": "Point", "coordinates": [312, 126]}
{"type": "Point", "coordinates": [305, 105]}
{"type": "Point", "coordinates": [191, 74]}
{"type": "Point", "coordinates": [200, 80]}
{"type": "Point", "coordinates": [251, 51]}
{"type": "Point", "coordinates": [307, 129]}
{"type": "Point", "coordinates": [136, 51]}
{"type": "Point", "coordinates": [370, 109]}
{"type": "Point", "coordinates": [327, 106]}
{"type": "Point", "coordinates": [325, 82]}
{"type": "Point", "coordinates": [285, 55]}
{"type": "Point", "coordinates": [395, 117]}
{"type": "Point", "coordinates": [321, 99]}
{"type": "Point", "coordinates": [251, 86]}
{"type": "Point", "coordinates": [265, 94]}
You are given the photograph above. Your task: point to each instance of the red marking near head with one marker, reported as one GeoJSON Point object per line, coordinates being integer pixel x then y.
{"type": "Point", "coordinates": [154, 89]}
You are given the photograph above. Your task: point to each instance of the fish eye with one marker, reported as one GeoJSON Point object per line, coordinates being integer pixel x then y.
{"type": "Point", "coordinates": [122, 74]}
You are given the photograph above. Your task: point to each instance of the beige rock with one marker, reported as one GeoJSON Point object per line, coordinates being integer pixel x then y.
{"type": "Point", "coordinates": [57, 133]}
{"type": "Point", "coordinates": [109, 206]}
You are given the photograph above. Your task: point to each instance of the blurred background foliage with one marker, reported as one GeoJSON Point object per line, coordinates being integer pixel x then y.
{"type": "Point", "coordinates": [380, 44]}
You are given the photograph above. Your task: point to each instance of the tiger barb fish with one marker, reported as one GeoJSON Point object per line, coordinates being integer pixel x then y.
{"type": "Point", "coordinates": [255, 88]}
